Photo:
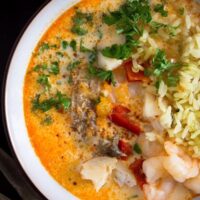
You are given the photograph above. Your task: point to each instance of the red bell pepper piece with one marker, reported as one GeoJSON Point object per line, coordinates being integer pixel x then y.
{"type": "Point", "coordinates": [125, 147]}
{"type": "Point", "coordinates": [119, 109]}
{"type": "Point", "coordinates": [119, 117]}
{"type": "Point", "coordinates": [136, 168]}
{"type": "Point", "coordinates": [133, 76]}
{"type": "Point", "coordinates": [125, 122]}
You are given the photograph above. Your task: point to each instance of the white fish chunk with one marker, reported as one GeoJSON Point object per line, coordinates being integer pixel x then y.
{"type": "Point", "coordinates": [98, 170]}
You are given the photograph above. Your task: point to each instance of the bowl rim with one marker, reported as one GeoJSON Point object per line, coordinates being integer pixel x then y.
{"type": "Point", "coordinates": [4, 94]}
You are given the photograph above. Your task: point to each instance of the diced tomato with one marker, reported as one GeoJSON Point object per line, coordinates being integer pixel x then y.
{"type": "Point", "coordinates": [125, 122]}
{"type": "Point", "coordinates": [119, 109]}
{"type": "Point", "coordinates": [133, 76]}
{"type": "Point", "coordinates": [136, 168]}
{"type": "Point", "coordinates": [125, 147]}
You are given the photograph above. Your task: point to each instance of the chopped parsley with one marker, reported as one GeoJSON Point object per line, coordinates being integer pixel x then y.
{"type": "Point", "coordinates": [73, 45]}
{"type": "Point", "coordinates": [122, 51]}
{"type": "Point", "coordinates": [163, 69]}
{"type": "Point", "coordinates": [60, 101]}
{"type": "Point", "coordinates": [44, 46]}
{"type": "Point", "coordinates": [156, 26]}
{"type": "Point", "coordinates": [160, 9]}
{"type": "Point", "coordinates": [137, 148]}
{"type": "Point", "coordinates": [79, 20]}
{"type": "Point", "coordinates": [101, 74]}
{"type": "Point", "coordinates": [54, 68]}
{"type": "Point", "coordinates": [64, 44]}
{"type": "Point", "coordinates": [44, 105]}
{"type": "Point", "coordinates": [38, 68]}
{"type": "Point", "coordinates": [129, 20]}
{"type": "Point", "coordinates": [84, 49]}
{"type": "Point", "coordinates": [60, 54]}
{"type": "Point", "coordinates": [44, 81]}
{"type": "Point", "coordinates": [73, 65]}
{"type": "Point", "coordinates": [47, 120]}
{"type": "Point", "coordinates": [63, 102]}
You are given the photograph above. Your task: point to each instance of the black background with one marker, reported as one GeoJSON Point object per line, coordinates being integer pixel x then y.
{"type": "Point", "coordinates": [14, 15]}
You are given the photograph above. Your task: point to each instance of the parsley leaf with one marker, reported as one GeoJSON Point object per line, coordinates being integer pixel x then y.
{"type": "Point", "coordinates": [73, 45]}
{"type": "Point", "coordinates": [73, 65]}
{"type": "Point", "coordinates": [47, 120]}
{"type": "Point", "coordinates": [130, 18]}
{"type": "Point", "coordinates": [54, 68]}
{"type": "Point", "coordinates": [160, 9]}
{"type": "Point", "coordinates": [44, 81]}
{"type": "Point", "coordinates": [44, 105]}
{"type": "Point", "coordinates": [79, 20]}
{"type": "Point", "coordinates": [83, 48]}
{"type": "Point", "coordinates": [38, 68]}
{"type": "Point", "coordinates": [44, 46]}
{"type": "Point", "coordinates": [156, 26]}
{"type": "Point", "coordinates": [163, 69]}
{"type": "Point", "coordinates": [63, 102]}
{"type": "Point", "coordinates": [137, 148]}
{"type": "Point", "coordinates": [64, 44]}
{"type": "Point", "coordinates": [60, 101]}
{"type": "Point", "coordinates": [101, 74]}
{"type": "Point", "coordinates": [122, 51]}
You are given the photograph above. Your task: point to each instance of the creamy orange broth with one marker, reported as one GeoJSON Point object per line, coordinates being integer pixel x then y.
{"type": "Point", "coordinates": [53, 144]}
{"type": "Point", "coordinates": [56, 144]}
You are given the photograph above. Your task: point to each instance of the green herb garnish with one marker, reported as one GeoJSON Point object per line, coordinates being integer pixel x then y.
{"type": "Point", "coordinates": [160, 9]}
{"type": "Point", "coordinates": [64, 44]}
{"type": "Point", "coordinates": [54, 68]}
{"type": "Point", "coordinates": [156, 26]}
{"type": "Point", "coordinates": [137, 148]}
{"type": "Point", "coordinates": [63, 102]}
{"type": "Point", "coordinates": [44, 46]}
{"type": "Point", "coordinates": [163, 69]}
{"type": "Point", "coordinates": [44, 105]}
{"type": "Point", "coordinates": [84, 49]}
{"type": "Point", "coordinates": [44, 81]}
{"type": "Point", "coordinates": [60, 54]}
{"type": "Point", "coordinates": [101, 74]}
{"type": "Point", "coordinates": [60, 101]}
{"type": "Point", "coordinates": [129, 20]}
{"type": "Point", "coordinates": [73, 45]}
{"type": "Point", "coordinates": [123, 51]}
{"type": "Point", "coordinates": [79, 20]}
{"type": "Point", "coordinates": [47, 120]}
{"type": "Point", "coordinates": [38, 68]}
{"type": "Point", "coordinates": [73, 65]}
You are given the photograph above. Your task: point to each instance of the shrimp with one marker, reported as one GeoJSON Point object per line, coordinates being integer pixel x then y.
{"type": "Point", "coordinates": [149, 149]}
{"type": "Point", "coordinates": [179, 165]}
{"type": "Point", "coordinates": [193, 184]}
{"type": "Point", "coordinates": [166, 189]}
{"type": "Point", "coordinates": [153, 169]}
{"type": "Point", "coordinates": [159, 190]}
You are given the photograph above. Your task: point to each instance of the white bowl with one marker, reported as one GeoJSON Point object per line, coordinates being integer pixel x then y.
{"type": "Point", "coordinates": [14, 112]}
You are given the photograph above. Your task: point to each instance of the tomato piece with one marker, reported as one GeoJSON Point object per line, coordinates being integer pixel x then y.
{"type": "Point", "coordinates": [136, 168]}
{"type": "Point", "coordinates": [123, 121]}
{"type": "Point", "coordinates": [125, 147]}
{"type": "Point", "coordinates": [133, 76]}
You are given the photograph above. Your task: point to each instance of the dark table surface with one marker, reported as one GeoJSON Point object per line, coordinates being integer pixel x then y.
{"type": "Point", "coordinates": [14, 14]}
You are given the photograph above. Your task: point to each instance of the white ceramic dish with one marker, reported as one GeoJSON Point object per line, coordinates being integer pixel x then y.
{"type": "Point", "coordinates": [14, 101]}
